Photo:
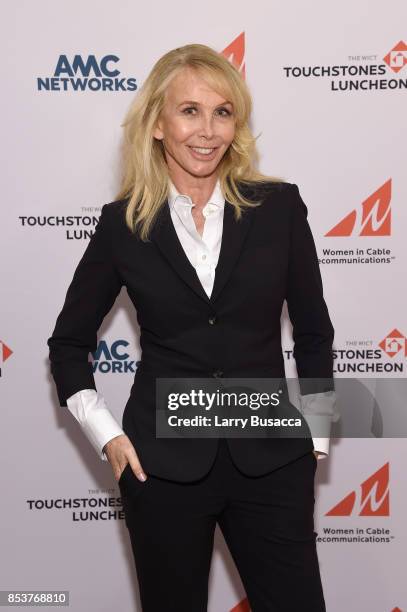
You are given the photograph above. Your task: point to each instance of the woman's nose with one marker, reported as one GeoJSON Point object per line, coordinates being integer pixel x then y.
{"type": "Point", "coordinates": [206, 127]}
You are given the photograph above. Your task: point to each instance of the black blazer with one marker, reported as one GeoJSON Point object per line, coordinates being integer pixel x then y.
{"type": "Point", "coordinates": [266, 257]}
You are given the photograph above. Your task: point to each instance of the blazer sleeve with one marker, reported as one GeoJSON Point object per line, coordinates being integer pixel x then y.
{"type": "Point", "coordinates": [91, 294]}
{"type": "Point", "coordinates": [313, 332]}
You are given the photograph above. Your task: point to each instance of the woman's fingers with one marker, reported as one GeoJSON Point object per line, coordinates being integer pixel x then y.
{"type": "Point", "coordinates": [135, 465]}
{"type": "Point", "coordinates": [120, 451]}
{"type": "Point", "coordinates": [138, 470]}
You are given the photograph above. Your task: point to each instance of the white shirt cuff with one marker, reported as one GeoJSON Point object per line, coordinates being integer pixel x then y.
{"type": "Point", "coordinates": [319, 410]}
{"type": "Point", "coordinates": [97, 422]}
{"type": "Point", "coordinates": [322, 446]}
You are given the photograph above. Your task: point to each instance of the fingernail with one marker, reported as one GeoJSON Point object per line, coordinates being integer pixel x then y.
{"type": "Point", "coordinates": [142, 476]}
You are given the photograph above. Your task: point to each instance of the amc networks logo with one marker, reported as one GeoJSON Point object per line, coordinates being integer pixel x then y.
{"type": "Point", "coordinates": [371, 498]}
{"type": "Point", "coordinates": [371, 218]}
{"type": "Point", "coordinates": [5, 353]}
{"type": "Point", "coordinates": [394, 344]}
{"type": "Point", "coordinates": [235, 53]}
{"type": "Point", "coordinates": [113, 358]}
{"type": "Point", "coordinates": [396, 59]}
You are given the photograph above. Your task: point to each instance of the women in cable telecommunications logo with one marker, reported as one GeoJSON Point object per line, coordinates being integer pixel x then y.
{"type": "Point", "coordinates": [86, 73]}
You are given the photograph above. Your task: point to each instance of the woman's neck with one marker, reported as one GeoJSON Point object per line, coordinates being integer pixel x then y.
{"type": "Point", "coordinates": [198, 189]}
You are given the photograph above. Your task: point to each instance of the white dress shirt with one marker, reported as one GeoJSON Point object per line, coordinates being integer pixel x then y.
{"type": "Point", "coordinates": [89, 407]}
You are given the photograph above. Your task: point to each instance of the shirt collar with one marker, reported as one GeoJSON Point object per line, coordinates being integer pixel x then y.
{"type": "Point", "coordinates": [174, 196]}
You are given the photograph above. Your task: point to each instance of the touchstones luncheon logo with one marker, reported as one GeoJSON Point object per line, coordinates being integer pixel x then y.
{"type": "Point", "coordinates": [73, 226]}
{"type": "Point", "coordinates": [367, 72]}
{"type": "Point", "coordinates": [80, 73]}
{"type": "Point", "coordinates": [372, 356]}
{"type": "Point", "coordinates": [93, 505]}
{"type": "Point", "coordinates": [370, 219]}
{"type": "Point", "coordinates": [394, 344]}
{"type": "Point", "coordinates": [385, 354]}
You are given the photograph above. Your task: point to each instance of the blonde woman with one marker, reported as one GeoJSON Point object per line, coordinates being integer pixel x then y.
{"type": "Point", "coordinates": [208, 249]}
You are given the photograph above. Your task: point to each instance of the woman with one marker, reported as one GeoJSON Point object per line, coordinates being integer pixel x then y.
{"type": "Point", "coordinates": [208, 249]}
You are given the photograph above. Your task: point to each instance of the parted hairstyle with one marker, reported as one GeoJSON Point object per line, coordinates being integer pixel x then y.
{"type": "Point", "coordinates": [145, 178]}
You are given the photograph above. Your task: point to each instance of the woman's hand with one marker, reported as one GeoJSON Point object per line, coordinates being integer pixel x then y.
{"type": "Point", "coordinates": [316, 453]}
{"type": "Point", "coordinates": [120, 451]}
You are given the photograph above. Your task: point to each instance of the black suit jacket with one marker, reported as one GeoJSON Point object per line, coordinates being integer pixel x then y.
{"type": "Point", "coordinates": [266, 257]}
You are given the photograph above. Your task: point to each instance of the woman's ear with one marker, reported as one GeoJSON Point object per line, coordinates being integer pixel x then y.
{"type": "Point", "coordinates": [157, 132]}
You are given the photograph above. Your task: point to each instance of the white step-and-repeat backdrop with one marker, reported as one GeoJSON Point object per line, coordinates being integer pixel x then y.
{"type": "Point", "coordinates": [329, 84]}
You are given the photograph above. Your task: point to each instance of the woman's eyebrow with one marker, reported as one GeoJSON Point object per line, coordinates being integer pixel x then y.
{"type": "Point", "coordinates": [197, 103]}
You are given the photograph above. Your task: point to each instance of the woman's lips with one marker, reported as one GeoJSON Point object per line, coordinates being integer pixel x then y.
{"type": "Point", "coordinates": [199, 152]}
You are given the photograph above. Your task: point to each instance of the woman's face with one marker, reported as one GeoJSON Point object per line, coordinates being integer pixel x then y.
{"type": "Point", "coordinates": [197, 125]}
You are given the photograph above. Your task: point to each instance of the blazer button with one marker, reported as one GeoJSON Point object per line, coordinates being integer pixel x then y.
{"type": "Point", "coordinates": [217, 374]}
{"type": "Point", "coordinates": [212, 320]}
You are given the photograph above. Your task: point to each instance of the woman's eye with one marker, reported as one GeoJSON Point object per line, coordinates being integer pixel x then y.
{"type": "Point", "coordinates": [224, 112]}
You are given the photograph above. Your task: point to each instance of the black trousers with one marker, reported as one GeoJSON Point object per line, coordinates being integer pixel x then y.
{"type": "Point", "coordinates": [267, 522]}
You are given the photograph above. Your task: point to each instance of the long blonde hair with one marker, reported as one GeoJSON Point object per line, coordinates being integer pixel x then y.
{"type": "Point", "coordinates": [145, 172]}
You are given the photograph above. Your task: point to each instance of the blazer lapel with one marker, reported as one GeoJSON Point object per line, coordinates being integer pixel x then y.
{"type": "Point", "coordinates": [165, 237]}
{"type": "Point", "coordinates": [234, 233]}
{"type": "Point", "coordinates": [233, 237]}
